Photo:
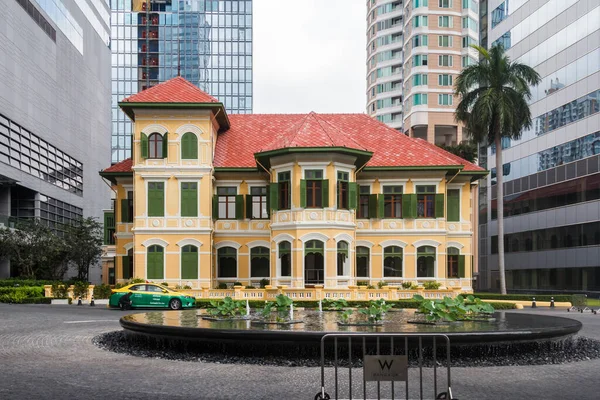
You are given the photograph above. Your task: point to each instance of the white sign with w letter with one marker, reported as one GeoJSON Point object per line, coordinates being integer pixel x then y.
{"type": "Point", "coordinates": [385, 368]}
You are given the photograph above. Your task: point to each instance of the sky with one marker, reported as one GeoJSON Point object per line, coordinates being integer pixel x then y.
{"type": "Point", "coordinates": [309, 55]}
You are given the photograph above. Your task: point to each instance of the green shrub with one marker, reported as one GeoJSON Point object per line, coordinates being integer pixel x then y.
{"type": "Point", "coordinates": [136, 280]}
{"type": "Point", "coordinates": [503, 306]}
{"type": "Point", "coordinates": [60, 290]}
{"type": "Point", "coordinates": [222, 285]}
{"type": "Point", "coordinates": [228, 307]}
{"type": "Point", "coordinates": [250, 287]}
{"type": "Point", "coordinates": [237, 284]}
{"type": "Point", "coordinates": [19, 294]}
{"type": "Point", "coordinates": [431, 285]}
{"type": "Point", "coordinates": [102, 291]}
{"type": "Point", "coordinates": [524, 297]}
{"type": "Point", "coordinates": [362, 283]}
{"type": "Point", "coordinates": [381, 284]}
{"type": "Point", "coordinates": [370, 287]}
{"type": "Point", "coordinates": [15, 282]}
{"type": "Point", "coordinates": [80, 289]}
{"type": "Point", "coordinates": [187, 287]}
{"type": "Point", "coordinates": [264, 282]}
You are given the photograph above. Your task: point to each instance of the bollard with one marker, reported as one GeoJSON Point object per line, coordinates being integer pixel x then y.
{"type": "Point", "coordinates": [533, 305]}
{"type": "Point", "coordinates": [92, 301]}
{"type": "Point", "coordinates": [551, 302]}
{"type": "Point", "coordinates": [79, 303]}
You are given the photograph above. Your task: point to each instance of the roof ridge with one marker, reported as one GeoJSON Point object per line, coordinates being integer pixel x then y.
{"type": "Point", "coordinates": [350, 137]}
{"type": "Point", "coordinates": [314, 115]}
{"type": "Point", "coordinates": [297, 129]}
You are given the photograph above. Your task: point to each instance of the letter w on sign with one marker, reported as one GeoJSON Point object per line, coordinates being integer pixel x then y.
{"type": "Point", "coordinates": [385, 368]}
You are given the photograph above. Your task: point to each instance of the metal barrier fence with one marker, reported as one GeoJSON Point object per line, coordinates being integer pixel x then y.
{"type": "Point", "coordinates": [392, 367]}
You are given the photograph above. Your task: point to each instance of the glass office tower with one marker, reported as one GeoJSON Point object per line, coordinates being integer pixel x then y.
{"type": "Point", "coordinates": [208, 42]}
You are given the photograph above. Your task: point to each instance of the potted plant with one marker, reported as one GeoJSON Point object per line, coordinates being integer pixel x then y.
{"type": "Point", "coordinates": [60, 293]}
{"type": "Point", "coordinates": [101, 294]}
{"type": "Point", "coordinates": [431, 285]}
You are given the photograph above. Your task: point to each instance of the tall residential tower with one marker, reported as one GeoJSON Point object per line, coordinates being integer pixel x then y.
{"type": "Point", "coordinates": [552, 179]}
{"type": "Point", "coordinates": [208, 42]}
{"type": "Point", "coordinates": [416, 48]}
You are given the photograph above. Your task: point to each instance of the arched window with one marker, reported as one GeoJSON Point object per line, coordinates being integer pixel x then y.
{"type": "Point", "coordinates": [227, 262]}
{"type": "Point", "coordinates": [426, 262]}
{"type": "Point", "coordinates": [285, 259]}
{"type": "Point", "coordinates": [362, 262]}
{"type": "Point", "coordinates": [342, 258]}
{"type": "Point", "coordinates": [155, 146]}
{"type": "Point", "coordinates": [453, 262]}
{"type": "Point", "coordinates": [314, 262]}
{"type": "Point", "coordinates": [392, 262]}
{"type": "Point", "coordinates": [259, 262]}
{"type": "Point", "coordinates": [189, 262]}
{"type": "Point", "coordinates": [155, 262]}
{"type": "Point", "coordinates": [189, 146]}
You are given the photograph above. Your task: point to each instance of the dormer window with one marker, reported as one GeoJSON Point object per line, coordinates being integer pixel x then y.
{"type": "Point", "coordinates": [314, 188]}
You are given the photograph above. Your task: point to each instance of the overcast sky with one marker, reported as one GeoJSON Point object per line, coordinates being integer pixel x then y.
{"type": "Point", "coordinates": [309, 55]}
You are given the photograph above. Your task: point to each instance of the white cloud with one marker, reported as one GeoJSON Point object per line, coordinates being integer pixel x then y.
{"type": "Point", "coordinates": [309, 55]}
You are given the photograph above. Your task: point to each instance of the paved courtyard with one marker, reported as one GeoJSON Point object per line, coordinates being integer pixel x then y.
{"type": "Point", "coordinates": [46, 353]}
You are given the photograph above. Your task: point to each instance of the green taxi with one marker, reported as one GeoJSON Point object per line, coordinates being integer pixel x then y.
{"type": "Point", "coordinates": [149, 295]}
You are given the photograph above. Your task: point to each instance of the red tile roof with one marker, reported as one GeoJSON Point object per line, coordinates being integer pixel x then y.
{"type": "Point", "coordinates": [176, 90]}
{"type": "Point", "coordinates": [469, 166]}
{"type": "Point", "coordinates": [123, 166]}
{"type": "Point", "coordinates": [254, 133]}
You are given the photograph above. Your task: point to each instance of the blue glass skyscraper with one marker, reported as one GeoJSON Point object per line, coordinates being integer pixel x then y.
{"type": "Point", "coordinates": [208, 42]}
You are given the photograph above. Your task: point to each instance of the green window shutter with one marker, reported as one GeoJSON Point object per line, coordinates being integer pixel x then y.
{"type": "Point", "coordinates": [273, 194]}
{"type": "Point", "coordinates": [239, 206]}
{"type": "Point", "coordinates": [189, 202]}
{"type": "Point", "coordinates": [144, 145]}
{"type": "Point", "coordinates": [439, 205]}
{"type": "Point", "coordinates": [156, 202]}
{"type": "Point", "coordinates": [131, 145]}
{"type": "Point", "coordinates": [406, 206]}
{"type": "Point", "coordinates": [215, 207]}
{"type": "Point", "coordinates": [124, 210]}
{"type": "Point", "coordinates": [352, 195]}
{"type": "Point", "coordinates": [325, 192]}
{"type": "Point", "coordinates": [125, 265]}
{"type": "Point", "coordinates": [303, 193]}
{"type": "Point", "coordinates": [453, 205]}
{"type": "Point", "coordinates": [249, 206]}
{"type": "Point", "coordinates": [189, 265]}
{"type": "Point", "coordinates": [461, 266]}
{"type": "Point", "coordinates": [380, 206]}
{"type": "Point", "coordinates": [155, 265]}
{"type": "Point", "coordinates": [189, 146]}
{"type": "Point", "coordinates": [165, 144]}
{"type": "Point", "coordinates": [372, 206]}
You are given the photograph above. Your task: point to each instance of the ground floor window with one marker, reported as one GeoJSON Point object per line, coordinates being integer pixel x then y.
{"type": "Point", "coordinates": [342, 258]}
{"type": "Point", "coordinates": [314, 262]}
{"type": "Point", "coordinates": [259, 262]}
{"type": "Point", "coordinates": [227, 262]}
{"type": "Point", "coordinates": [189, 262]}
{"type": "Point", "coordinates": [426, 262]}
{"type": "Point", "coordinates": [392, 262]}
{"type": "Point", "coordinates": [362, 262]}
{"type": "Point", "coordinates": [155, 262]}
{"type": "Point", "coordinates": [453, 254]}
{"type": "Point", "coordinates": [285, 258]}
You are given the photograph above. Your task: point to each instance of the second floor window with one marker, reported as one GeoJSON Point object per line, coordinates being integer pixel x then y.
{"type": "Point", "coordinates": [156, 199]}
{"type": "Point", "coordinates": [392, 201]}
{"type": "Point", "coordinates": [314, 188]}
{"type": "Point", "coordinates": [189, 199]}
{"type": "Point", "coordinates": [258, 197]}
{"type": "Point", "coordinates": [155, 146]}
{"type": "Point", "coordinates": [227, 202]}
{"type": "Point", "coordinates": [426, 201]}
{"type": "Point", "coordinates": [363, 200]}
{"type": "Point", "coordinates": [342, 189]}
{"type": "Point", "coordinates": [284, 192]}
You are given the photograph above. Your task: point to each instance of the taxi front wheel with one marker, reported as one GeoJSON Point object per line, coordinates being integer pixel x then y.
{"type": "Point", "coordinates": [175, 304]}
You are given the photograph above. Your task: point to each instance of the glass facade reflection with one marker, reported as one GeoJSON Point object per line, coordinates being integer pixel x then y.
{"type": "Point", "coordinates": [574, 150]}
{"type": "Point", "coordinates": [208, 42]}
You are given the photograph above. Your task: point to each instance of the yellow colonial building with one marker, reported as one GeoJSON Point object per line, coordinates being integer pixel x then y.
{"type": "Point", "coordinates": [299, 200]}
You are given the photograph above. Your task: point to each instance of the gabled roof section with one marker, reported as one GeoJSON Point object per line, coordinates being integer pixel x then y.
{"type": "Point", "coordinates": [175, 93]}
{"type": "Point", "coordinates": [123, 168]}
{"type": "Point", "coordinates": [176, 90]}
{"type": "Point", "coordinates": [469, 166]}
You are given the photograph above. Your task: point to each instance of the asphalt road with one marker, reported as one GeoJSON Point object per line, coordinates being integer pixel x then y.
{"type": "Point", "coordinates": [46, 352]}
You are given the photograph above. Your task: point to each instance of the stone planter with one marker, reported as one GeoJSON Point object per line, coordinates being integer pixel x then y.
{"type": "Point", "coordinates": [61, 302]}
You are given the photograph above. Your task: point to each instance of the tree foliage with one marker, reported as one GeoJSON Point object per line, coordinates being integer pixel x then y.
{"type": "Point", "coordinates": [84, 239]}
{"type": "Point", "coordinates": [494, 94]}
{"type": "Point", "coordinates": [465, 150]}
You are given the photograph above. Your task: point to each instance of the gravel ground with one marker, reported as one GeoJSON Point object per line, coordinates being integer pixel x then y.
{"type": "Point", "coordinates": [562, 351]}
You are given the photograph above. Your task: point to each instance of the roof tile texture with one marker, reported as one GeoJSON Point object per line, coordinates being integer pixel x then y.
{"type": "Point", "coordinates": [176, 90]}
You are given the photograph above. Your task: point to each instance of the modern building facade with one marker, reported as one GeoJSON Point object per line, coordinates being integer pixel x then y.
{"type": "Point", "coordinates": [208, 42]}
{"type": "Point", "coordinates": [299, 200]}
{"type": "Point", "coordinates": [552, 179]}
{"type": "Point", "coordinates": [416, 48]}
{"type": "Point", "coordinates": [54, 111]}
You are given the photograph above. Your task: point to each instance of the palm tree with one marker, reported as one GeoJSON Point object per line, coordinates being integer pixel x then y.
{"type": "Point", "coordinates": [493, 105]}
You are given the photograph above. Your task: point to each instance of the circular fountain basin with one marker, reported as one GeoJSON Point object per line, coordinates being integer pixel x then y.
{"type": "Point", "coordinates": [189, 325]}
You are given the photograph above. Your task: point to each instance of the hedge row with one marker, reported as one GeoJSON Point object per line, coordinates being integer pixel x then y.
{"type": "Point", "coordinates": [524, 297]}
{"type": "Point", "coordinates": [12, 282]}
{"type": "Point", "coordinates": [27, 291]}
{"type": "Point", "coordinates": [411, 304]}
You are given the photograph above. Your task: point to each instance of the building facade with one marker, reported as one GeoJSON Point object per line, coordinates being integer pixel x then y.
{"type": "Point", "coordinates": [208, 42]}
{"type": "Point", "coordinates": [54, 111]}
{"type": "Point", "coordinates": [552, 180]}
{"type": "Point", "coordinates": [299, 200]}
{"type": "Point", "coordinates": [416, 49]}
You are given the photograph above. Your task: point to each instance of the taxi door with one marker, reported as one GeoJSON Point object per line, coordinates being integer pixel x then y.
{"type": "Point", "coordinates": [155, 296]}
